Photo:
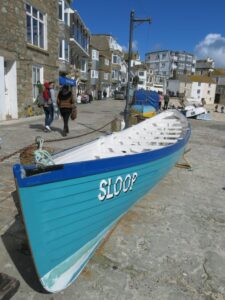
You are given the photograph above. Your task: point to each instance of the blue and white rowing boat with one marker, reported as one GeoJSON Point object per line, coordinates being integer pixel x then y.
{"type": "Point", "coordinates": [69, 207]}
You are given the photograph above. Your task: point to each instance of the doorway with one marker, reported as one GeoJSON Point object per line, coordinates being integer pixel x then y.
{"type": "Point", "coordinates": [8, 89]}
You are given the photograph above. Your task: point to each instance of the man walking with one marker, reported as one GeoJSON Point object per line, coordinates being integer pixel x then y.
{"type": "Point", "coordinates": [166, 101]}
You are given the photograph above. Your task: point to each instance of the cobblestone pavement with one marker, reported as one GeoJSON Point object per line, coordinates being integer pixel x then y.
{"type": "Point", "coordinates": [169, 246]}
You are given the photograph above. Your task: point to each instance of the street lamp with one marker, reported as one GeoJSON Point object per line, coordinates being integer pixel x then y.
{"type": "Point", "coordinates": [132, 21]}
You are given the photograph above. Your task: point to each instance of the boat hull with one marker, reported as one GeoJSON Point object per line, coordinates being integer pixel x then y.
{"type": "Point", "coordinates": [145, 111]}
{"type": "Point", "coordinates": [68, 212]}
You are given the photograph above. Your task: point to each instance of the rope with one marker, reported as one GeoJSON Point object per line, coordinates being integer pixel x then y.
{"type": "Point", "coordinates": [186, 164]}
{"type": "Point", "coordinates": [53, 140]}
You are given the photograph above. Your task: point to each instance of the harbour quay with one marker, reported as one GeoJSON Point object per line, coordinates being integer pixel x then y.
{"type": "Point", "coordinates": [170, 245]}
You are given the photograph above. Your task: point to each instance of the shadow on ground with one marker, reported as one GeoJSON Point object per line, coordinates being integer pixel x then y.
{"type": "Point", "coordinates": [16, 244]}
{"type": "Point", "coordinates": [40, 128]}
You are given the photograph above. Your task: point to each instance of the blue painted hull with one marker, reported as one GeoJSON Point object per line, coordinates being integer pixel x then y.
{"type": "Point", "coordinates": [68, 211]}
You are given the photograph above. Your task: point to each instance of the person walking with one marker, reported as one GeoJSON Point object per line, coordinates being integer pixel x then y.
{"type": "Point", "coordinates": [104, 94]}
{"type": "Point", "coordinates": [48, 107]}
{"type": "Point", "coordinates": [65, 103]}
{"type": "Point", "coordinates": [160, 99]}
{"type": "Point", "coordinates": [166, 101]}
{"type": "Point", "coordinates": [54, 101]}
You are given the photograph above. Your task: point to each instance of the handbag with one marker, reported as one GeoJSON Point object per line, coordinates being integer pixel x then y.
{"type": "Point", "coordinates": [73, 115]}
{"type": "Point", "coordinates": [39, 100]}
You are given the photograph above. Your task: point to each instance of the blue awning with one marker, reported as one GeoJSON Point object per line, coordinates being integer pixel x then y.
{"type": "Point", "coordinates": [66, 81]}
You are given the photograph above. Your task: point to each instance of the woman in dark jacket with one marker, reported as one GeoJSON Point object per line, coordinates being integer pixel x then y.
{"type": "Point", "coordinates": [65, 103]}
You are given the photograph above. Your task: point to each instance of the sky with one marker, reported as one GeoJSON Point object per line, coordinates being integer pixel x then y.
{"type": "Point", "coordinates": [196, 26]}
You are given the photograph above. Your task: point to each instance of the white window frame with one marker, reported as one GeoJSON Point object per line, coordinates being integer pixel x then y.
{"type": "Point", "coordinates": [94, 74]}
{"type": "Point", "coordinates": [41, 19]}
{"type": "Point", "coordinates": [65, 11]}
{"type": "Point", "coordinates": [37, 75]}
{"type": "Point", "coordinates": [117, 59]}
{"type": "Point", "coordinates": [106, 61]}
{"type": "Point", "coordinates": [95, 55]}
{"type": "Point", "coordinates": [115, 74]}
{"type": "Point", "coordinates": [62, 45]}
{"type": "Point", "coordinates": [106, 76]}
{"type": "Point", "coordinates": [85, 65]}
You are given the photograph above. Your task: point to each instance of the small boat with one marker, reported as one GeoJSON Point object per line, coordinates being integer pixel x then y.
{"type": "Point", "coordinates": [192, 111]}
{"type": "Point", "coordinates": [146, 111]}
{"type": "Point", "coordinates": [145, 103]}
{"type": "Point", "coordinates": [70, 206]}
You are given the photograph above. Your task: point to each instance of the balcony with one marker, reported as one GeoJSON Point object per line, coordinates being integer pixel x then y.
{"type": "Point", "coordinates": [79, 35]}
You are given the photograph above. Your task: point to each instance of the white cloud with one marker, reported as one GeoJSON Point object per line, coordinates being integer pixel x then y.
{"type": "Point", "coordinates": [212, 46]}
{"type": "Point", "coordinates": [134, 47]}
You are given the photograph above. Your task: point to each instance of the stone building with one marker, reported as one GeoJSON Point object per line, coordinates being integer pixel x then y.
{"type": "Point", "coordinates": [29, 46]}
{"type": "Point", "coordinates": [112, 58]}
{"type": "Point", "coordinates": [79, 51]}
{"type": "Point", "coordinates": [64, 22]}
{"type": "Point", "coordinates": [204, 67]}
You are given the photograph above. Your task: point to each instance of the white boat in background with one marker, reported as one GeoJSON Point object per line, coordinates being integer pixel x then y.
{"type": "Point", "coordinates": [192, 111]}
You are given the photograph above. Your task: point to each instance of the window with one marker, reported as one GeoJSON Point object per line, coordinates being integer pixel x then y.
{"type": "Point", "coordinates": [64, 14]}
{"type": "Point", "coordinates": [198, 91]}
{"type": "Point", "coordinates": [115, 74]}
{"type": "Point", "coordinates": [208, 92]}
{"type": "Point", "coordinates": [141, 73]}
{"type": "Point", "coordinates": [95, 55]}
{"type": "Point", "coordinates": [106, 62]}
{"type": "Point", "coordinates": [181, 57]}
{"type": "Point", "coordinates": [36, 27]}
{"type": "Point", "coordinates": [37, 75]}
{"type": "Point", "coordinates": [94, 74]}
{"type": "Point", "coordinates": [116, 59]}
{"type": "Point", "coordinates": [199, 83]}
{"type": "Point", "coordinates": [64, 52]}
{"type": "Point", "coordinates": [106, 76]}
{"type": "Point", "coordinates": [83, 65]}
{"type": "Point", "coordinates": [209, 85]}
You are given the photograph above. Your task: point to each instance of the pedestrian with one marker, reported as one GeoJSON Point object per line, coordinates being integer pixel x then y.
{"type": "Point", "coordinates": [222, 109]}
{"type": "Point", "coordinates": [203, 101]}
{"type": "Point", "coordinates": [39, 86]}
{"type": "Point", "coordinates": [160, 99]}
{"type": "Point", "coordinates": [53, 99]}
{"type": "Point", "coordinates": [39, 100]}
{"type": "Point", "coordinates": [216, 108]}
{"type": "Point", "coordinates": [104, 94]}
{"type": "Point", "coordinates": [166, 101]}
{"type": "Point", "coordinates": [65, 103]}
{"type": "Point", "coordinates": [48, 107]}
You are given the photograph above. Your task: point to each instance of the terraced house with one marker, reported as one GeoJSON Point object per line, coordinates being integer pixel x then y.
{"type": "Point", "coordinates": [28, 53]}
{"type": "Point", "coordinates": [112, 60]}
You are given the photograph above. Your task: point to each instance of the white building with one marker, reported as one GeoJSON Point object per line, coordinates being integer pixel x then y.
{"type": "Point", "coordinates": [196, 87]}
{"type": "Point", "coordinates": [180, 86]}
{"type": "Point", "coordinates": [140, 70]}
{"type": "Point", "coordinates": [203, 87]}
{"type": "Point", "coordinates": [166, 62]}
